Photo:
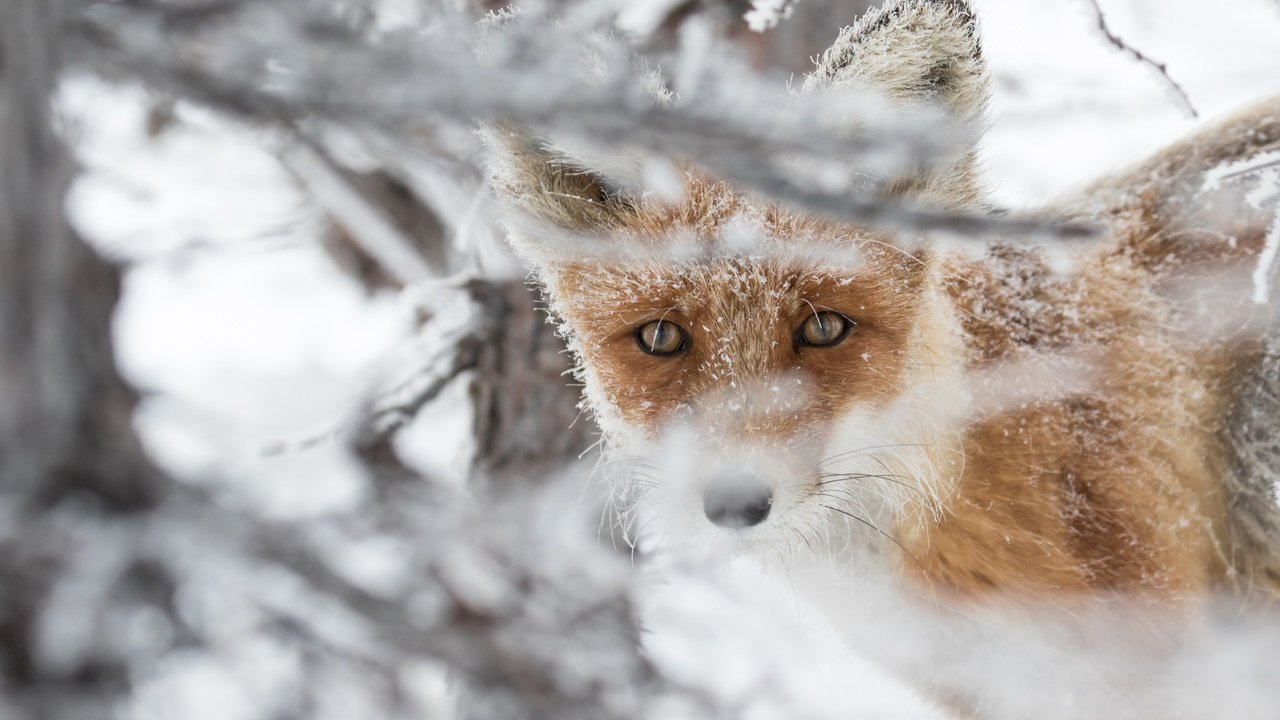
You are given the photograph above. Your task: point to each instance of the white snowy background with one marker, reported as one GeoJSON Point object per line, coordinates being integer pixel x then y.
{"type": "Point", "coordinates": [242, 333]}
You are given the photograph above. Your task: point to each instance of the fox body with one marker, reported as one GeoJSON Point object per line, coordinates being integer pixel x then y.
{"type": "Point", "coordinates": [1022, 421]}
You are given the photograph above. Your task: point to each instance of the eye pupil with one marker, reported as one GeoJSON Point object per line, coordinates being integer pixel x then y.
{"type": "Point", "coordinates": [824, 329]}
{"type": "Point", "coordinates": [660, 337]}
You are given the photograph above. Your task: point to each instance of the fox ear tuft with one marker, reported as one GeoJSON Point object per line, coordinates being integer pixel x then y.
{"type": "Point", "coordinates": [915, 51]}
{"type": "Point", "coordinates": [547, 186]}
{"type": "Point", "coordinates": [918, 53]}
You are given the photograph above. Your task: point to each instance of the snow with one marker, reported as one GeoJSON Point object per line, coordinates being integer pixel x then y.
{"type": "Point", "coordinates": [780, 658]}
{"type": "Point", "coordinates": [243, 335]}
{"type": "Point", "coordinates": [235, 325]}
{"type": "Point", "coordinates": [1262, 164]}
{"type": "Point", "coordinates": [1265, 168]}
{"type": "Point", "coordinates": [765, 14]}
{"type": "Point", "coordinates": [1266, 269]}
{"type": "Point", "coordinates": [1068, 107]}
{"type": "Point", "coordinates": [643, 17]}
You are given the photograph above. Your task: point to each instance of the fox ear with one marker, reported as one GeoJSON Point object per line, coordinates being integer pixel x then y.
{"type": "Point", "coordinates": [917, 53]}
{"type": "Point", "coordinates": [552, 192]}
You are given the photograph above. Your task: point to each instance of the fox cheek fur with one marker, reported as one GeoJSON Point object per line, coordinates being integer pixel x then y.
{"type": "Point", "coordinates": [1010, 427]}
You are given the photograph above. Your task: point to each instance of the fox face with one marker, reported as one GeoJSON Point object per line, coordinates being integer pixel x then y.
{"type": "Point", "coordinates": [757, 372]}
{"type": "Point", "coordinates": [726, 383]}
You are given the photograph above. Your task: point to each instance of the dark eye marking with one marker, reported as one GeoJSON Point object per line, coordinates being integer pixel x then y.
{"type": "Point", "coordinates": [662, 338]}
{"type": "Point", "coordinates": [823, 329]}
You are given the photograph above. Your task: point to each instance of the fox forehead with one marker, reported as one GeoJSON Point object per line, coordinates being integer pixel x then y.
{"type": "Point", "coordinates": [748, 289]}
{"type": "Point", "coordinates": [740, 316]}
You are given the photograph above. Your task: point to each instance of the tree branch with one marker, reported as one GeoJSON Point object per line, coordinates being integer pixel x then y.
{"type": "Point", "coordinates": [279, 63]}
{"type": "Point", "coordinates": [1161, 71]}
{"type": "Point", "coordinates": [394, 251]}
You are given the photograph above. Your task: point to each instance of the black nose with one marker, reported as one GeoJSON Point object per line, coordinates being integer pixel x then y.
{"type": "Point", "coordinates": [737, 502]}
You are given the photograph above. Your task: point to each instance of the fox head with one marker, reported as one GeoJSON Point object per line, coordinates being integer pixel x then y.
{"type": "Point", "coordinates": [759, 372]}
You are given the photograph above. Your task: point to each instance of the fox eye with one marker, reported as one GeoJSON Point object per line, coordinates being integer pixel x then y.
{"type": "Point", "coordinates": [661, 338]}
{"type": "Point", "coordinates": [823, 329]}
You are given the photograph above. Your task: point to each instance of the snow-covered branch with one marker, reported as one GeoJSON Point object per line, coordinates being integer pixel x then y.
{"type": "Point", "coordinates": [279, 62]}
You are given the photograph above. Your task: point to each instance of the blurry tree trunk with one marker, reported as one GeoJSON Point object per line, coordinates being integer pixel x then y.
{"type": "Point", "coordinates": [66, 435]}
{"type": "Point", "coordinates": [65, 425]}
{"type": "Point", "coordinates": [527, 418]}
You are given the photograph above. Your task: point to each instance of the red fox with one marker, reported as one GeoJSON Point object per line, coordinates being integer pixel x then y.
{"type": "Point", "coordinates": [957, 425]}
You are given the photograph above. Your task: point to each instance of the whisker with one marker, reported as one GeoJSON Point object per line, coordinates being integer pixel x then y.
{"type": "Point", "coordinates": [886, 535]}
{"type": "Point", "coordinates": [888, 446]}
{"type": "Point", "coordinates": [888, 477]}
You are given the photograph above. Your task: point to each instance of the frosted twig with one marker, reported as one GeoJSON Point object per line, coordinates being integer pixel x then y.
{"type": "Point", "coordinates": [390, 414]}
{"type": "Point", "coordinates": [1161, 70]}
{"type": "Point", "coordinates": [463, 604]}
{"type": "Point", "coordinates": [395, 86]}
{"type": "Point", "coordinates": [364, 223]}
{"type": "Point", "coordinates": [390, 408]}
{"type": "Point", "coordinates": [382, 418]}
{"type": "Point", "coordinates": [1255, 165]}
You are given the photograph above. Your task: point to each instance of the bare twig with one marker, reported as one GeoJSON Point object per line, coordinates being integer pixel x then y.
{"type": "Point", "coordinates": [388, 417]}
{"type": "Point", "coordinates": [1160, 69]}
